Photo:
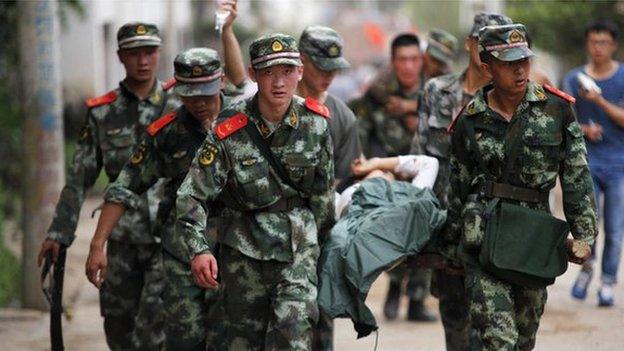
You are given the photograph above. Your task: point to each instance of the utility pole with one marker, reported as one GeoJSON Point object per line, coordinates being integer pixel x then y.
{"type": "Point", "coordinates": [43, 161]}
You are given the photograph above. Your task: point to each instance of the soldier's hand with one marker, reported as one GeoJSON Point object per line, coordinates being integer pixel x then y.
{"type": "Point", "coordinates": [205, 271]}
{"type": "Point", "coordinates": [399, 107]}
{"type": "Point", "coordinates": [96, 266]}
{"type": "Point", "coordinates": [230, 6]}
{"type": "Point", "coordinates": [411, 123]}
{"type": "Point", "coordinates": [361, 166]}
{"type": "Point", "coordinates": [48, 245]}
{"type": "Point", "coordinates": [578, 251]}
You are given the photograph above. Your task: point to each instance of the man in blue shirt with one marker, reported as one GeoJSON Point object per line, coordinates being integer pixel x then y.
{"type": "Point", "coordinates": [601, 114]}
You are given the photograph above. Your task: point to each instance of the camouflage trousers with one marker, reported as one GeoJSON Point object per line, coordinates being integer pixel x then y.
{"type": "Point", "coordinates": [268, 305]}
{"type": "Point", "coordinates": [451, 294]}
{"type": "Point", "coordinates": [324, 333]}
{"type": "Point", "coordinates": [130, 298]}
{"type": "Point", "coordinates": [504, 316]}
{"type": "Point", "coordinates": [186, 307]}
{"type": "Point", "coordinates": [418, 280]}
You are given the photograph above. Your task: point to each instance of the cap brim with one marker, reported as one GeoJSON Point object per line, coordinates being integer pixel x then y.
{"type": "Point", "coordinates": [140, 43]}
{"type": "Point", "coordinates": [278, 61]}
{"type": "Point", "coordinates": [439, 55]}
{"type": "Point", "coordinates": [198, 89]}
{"type": "Point", "coordinates": [513, 54]}
{"type": "Point", "coordinates": [330, 63]}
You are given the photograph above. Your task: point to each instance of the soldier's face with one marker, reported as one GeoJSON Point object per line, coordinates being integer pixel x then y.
{"type": "Point", "coordinates": [315, 78]}
{"type": "Point", "coordinates": [203, 108]}
{"type": "Point", "coordinates": [432, 67]}
{"type": "Point", "coordinates": [407, 64]}
{"type": "Point", "coordinates": [511, 77]}
{"type": "Point", "coordinates": [140, 63]}
{"type": "Point", "coordinates": [600, 46]}
{"type": "Point", "coordinates": [277, 84]}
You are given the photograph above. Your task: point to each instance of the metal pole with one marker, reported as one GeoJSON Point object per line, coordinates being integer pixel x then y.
{"type": "Point", "coordinates": [43, 161]}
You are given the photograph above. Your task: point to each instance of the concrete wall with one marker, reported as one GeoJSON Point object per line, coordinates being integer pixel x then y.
{"type": "Point", "coordinates": [88, 44]}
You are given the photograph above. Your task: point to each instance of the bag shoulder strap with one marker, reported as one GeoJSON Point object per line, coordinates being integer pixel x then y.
{"type": "Point", "coordinates": [265, 150]}
{"type": "Point", "coordinates": [512, 155]}
{"type": "Point", "coordinates": [470, 131]}
{"type": "Point", "coordinates": [514, 149]}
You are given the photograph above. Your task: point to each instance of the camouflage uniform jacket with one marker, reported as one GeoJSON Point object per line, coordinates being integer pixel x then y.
{"type": "Point", "coordinates": [442, 99]}
{"type": "Point", "coordinates": [551, 145]}
{"type": "Point", "coordinates": [374, 123]}
{"type": "Point", "coordinates": [165, 153]}
{"type": "Point", "coordinates": [232, 168]}
{"type": "Point", "coordinates": [115, 124]}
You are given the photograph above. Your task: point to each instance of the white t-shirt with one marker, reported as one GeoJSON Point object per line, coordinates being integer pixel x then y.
{"type": "Point", "coordinates": [423, 170]}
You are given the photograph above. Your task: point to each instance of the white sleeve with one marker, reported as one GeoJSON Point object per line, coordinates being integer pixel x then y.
{"type": "Point", "coordinates": [344, 199]}
{"type": "Point", "coordinates": [422, 169]}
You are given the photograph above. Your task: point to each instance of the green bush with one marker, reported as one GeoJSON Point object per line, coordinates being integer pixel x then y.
{"type": "Point", "coordinates": [10, 272]}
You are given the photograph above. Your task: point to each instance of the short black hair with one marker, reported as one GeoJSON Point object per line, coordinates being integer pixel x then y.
{"type": "Point", "coordinates": [404, 39]}
{"type": "Point", "coordinates": [486, 57]}
{"type": "Point", "coordinates": [603, 26]}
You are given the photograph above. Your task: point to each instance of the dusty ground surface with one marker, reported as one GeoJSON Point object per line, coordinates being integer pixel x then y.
{"type": "Point", "coordinates": [567, 324]}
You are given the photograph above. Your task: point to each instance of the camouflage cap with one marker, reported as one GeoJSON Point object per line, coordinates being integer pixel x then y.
{"type": "Point", "coordinates": [274, 49]}
{"type": "Point", "coordinates": [324, 47]}
{"type": "Point", "coordinates": [442, 46]}
{"type": "Point", "coordinates": [197, 72]}
{"type": "Point", "coordinates": [136, 34]}
{"type": "Point", "coordinates": [483, 19]}
{"type": "Point", "coordinates": [506, 43]}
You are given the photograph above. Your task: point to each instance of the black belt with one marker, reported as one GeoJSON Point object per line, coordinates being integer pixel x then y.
{"type": "Point", "coordinates": [283, 205]}
{"type": "Point", "coordinates": [511, 192]}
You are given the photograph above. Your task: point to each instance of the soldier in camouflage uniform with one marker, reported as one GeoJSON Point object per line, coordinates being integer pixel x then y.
{"type": "Point", "coordinates": [440, 53]}
{"type": "Point", "coordinates": [386, 112]}
{"type": "Point", "coordinates": [321, 55]}
{"type": "Point", "coordinates": [441, 100]}
{"type": "Point", "coordinates": [273, 212]}
{"type": "Point", "coordinates": [542, 123]}
{"type": "Point", "coordinates": [130, 295]}
{"type": "Point", "coordinates": [166, 153]}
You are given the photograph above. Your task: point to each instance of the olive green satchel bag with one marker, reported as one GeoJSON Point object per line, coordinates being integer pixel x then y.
{"type": "Point", "coordinates": [521, 245]}
{"type": "Point", "coordinates": [524, 246]}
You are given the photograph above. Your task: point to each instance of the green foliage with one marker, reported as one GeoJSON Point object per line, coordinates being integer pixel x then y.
{"type": "Point", "coordinates": [559, 26]}
{"type": "Point", "coordinates": [9, 266]}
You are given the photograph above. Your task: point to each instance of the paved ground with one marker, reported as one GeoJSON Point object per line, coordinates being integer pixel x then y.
{"type": "Point", "coordinates": [567, 324]}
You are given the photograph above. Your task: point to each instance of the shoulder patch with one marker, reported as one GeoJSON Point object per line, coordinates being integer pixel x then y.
{"type": "Point", "coordinates": [168, 84]}
{"type": "Point", "coordinates": [231, 125]}
{"type": "Point", "coordinates": [559, 93]}
{"type": "Point", "coordinates": [316, 107]}
{"type": "Point", "coordinates": [160, 123]}
{"type": "Point", "coordinates": [451, 125]}
{"type": "Point", "coordinates": [105, 99]}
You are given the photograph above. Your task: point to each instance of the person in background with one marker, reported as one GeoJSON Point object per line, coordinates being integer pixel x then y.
{"type": "Point", "coordinates": [321, 55]}
{"type": "Point", "coordinates": [601, 113]}
{"type": "Point", "coordinates": [440, 53]}
{"type": "Point", "coordinates": [386, 112]}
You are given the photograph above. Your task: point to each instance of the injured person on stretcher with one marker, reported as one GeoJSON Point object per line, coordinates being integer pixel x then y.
{"type": "Point", "coordinates": [388, 214]}
{"type": "Point", "coordinates": [419, 170]}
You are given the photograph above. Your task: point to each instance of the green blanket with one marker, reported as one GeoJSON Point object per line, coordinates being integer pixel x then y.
{"type": "Point", "coordinates": [385, 223]}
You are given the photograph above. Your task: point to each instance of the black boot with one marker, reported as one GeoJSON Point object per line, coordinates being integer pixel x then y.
{"type": "Point", "coordinates": [417, 312]}
{"type": "Point", "coordinates": [391, 307]}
